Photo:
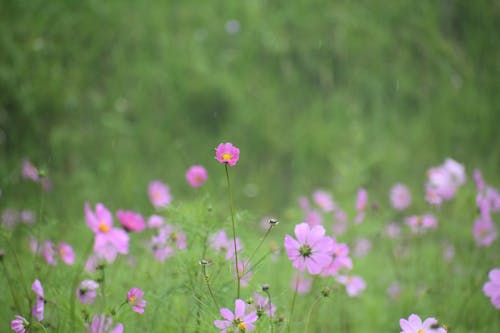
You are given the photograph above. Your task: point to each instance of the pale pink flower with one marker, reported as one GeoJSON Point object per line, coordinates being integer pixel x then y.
{"type": "Point", "coordinates": [134, 298]}
{"type": "Point", "coordinates": [10, 217]}
{"type": "Point", "coordinates": [27, 216]}
{"type": "Point", "coordinates": [131, 221]}
{"type": "Point", "coordinates": [66, 253]}
{"type": "Point", "coordinates": [38, 309]}
{"type": "Point", "coordinates": [393, 230]}
{"type": "Point", "coordinates": [484, 230]}
{"type": "Point", "coordinates": [415, 325]}
{"type": "Point", "coordinates": [313, 218]}
{"type": "Point", "coordinates": [311, 250]}
{"type": "Point", "coordinates": [324, 200]}
{"type": "Point", "coordinates": [304, 203]}
{"type": "Point", "coordinates": [362, 247]}
{"type": "Point", "coordinates": [240, 320]}
{"type": "Point", "coordinates": [29, 171]}
{"type": "Point", "coordinates": [492, 287]}
{"type": "Point", "coordinates": [196, 175]}
{"type": "Point", "coordinates": [478, 179]}
{"type": "Point", "coordinates": [155, 221]}
{"type": "Point", "coordinates": [227, 153]}
{"type": "Point", "coordinates": [86, 292]}
{"type": "Point", "coordinates": [48, 252]}
{"type": "Point", "coordinates": [159, 194]}
{"type": "Point", "coordinates": [361, 202]}
{"type": "Point", "coordinates": [400, 197]}
{"type": "Point", "coordinates": [221, 243]}
{"type": "Point", "coordinates": [448, 251]}
{"type": "Point", "coordinates": [456, 171]}
{"type": "Point", "coordinates": [340, 260]}
{"type": "Point", "coordinates": [101, 324]}
{"type": "Point", "coordinates": [263, 306]}
{"type": "Point", "coordinates": [20, 324]}
{"type": "Point", "coordinates": [339, 228]}
{"type": "Point", "coordinates": [302, 283]}
{"type": "Point", "coordinates": [244, 272]}
{"type": "Point", "coordinates": [489, 199]}
{"type": "Point", "coordinates": [394, 290]}
{"type": "Point", "coordinates": [419, 224]}
{"type": "Point", "coordinates": [354, 285]}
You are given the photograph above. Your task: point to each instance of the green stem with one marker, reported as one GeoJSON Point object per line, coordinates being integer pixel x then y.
{"type": "Point", "coordinates": [270, 310]}
{"type": "Point", "coordinates": [11, 287]}
{"type": "Point", "coordinates": [208, 285]}
{"type": "Point", "coordinates": [238, 277]}
{"type": "Point", "coordinates": [72, 299]}
{"type": "Point", "coordinates": [258, 246]}
{"type": "Point", "coordinates": [293, 301]}
{"type": "Point", "coordinates": [309, 313]}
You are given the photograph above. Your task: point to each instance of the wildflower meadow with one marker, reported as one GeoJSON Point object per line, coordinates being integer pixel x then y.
{"type": "Point", "coordinates": [254, 167]}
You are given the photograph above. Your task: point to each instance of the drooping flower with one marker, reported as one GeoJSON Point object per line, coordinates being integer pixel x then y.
{"type": "Point", "coordinates": [227, 153]}
{"type": "Point", "coordinates": [400, 197]}
{"type": "Point", "coordinates": [101, 324]}
{"type": "Point", "coordinates": [134, 298]}
{"type": "Point", "coordinates": [263, 306]}
{"type": "Point", "coordinates": [109, 241]}
{"type": "Point", "coordinates": [354, 285]}
{"type": "Point", "coordinates": [196, 175]}
{"type": "Point", "coordinates": [311, 250]}
{"type": "Point", "coordinates": [415, 325]}
{"type": "Point", "coordinates": [39, 307]}
{"type": "Point", "coordinates": [86, 292]}
{"type": "Point", "coordinates": [492, 287]}
{"type": "Point", "coordinates": [159, 194]}
{"type": "Point", "coordinates": [131, 221]}
{"type": "Point", "coordinates": [239, 321]}
{"type": "Point", "coordinates": [19, 325]}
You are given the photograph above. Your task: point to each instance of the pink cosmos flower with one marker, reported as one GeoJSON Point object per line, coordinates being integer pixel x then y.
{"type": "Point", "coordinates": [19, 325]}
{"type": "Point", "coordinates": [27, 216]}
{"type": "Point", "coordinates": [244, 271]}
{"type": "Point", "coordinates": [227, 153]}
{"type": "Point", "coordinates": [304, 203]}
{"type": "Point", "coordinates": [311, 250]}
{"type": "Point", "coordinates": [166, 241]}
{"type": "Point", "coordinates": [414, 325]}
{"type": "Point", "coordinates": [419, 224]}
{"type": "Point", "coordinates": [456, 171]}
{"type": "Point", "coordinates": [66, 253]}
{"type": "Point", "coordinates": [341, 260]}
{"type": "Point", "coordinates": [492, 287]}
{"type": "Point", "coordinates": [263, 306]}
{"type": "Point", "coordinates": [221, 243]}
{"type": "Point", "coordinates": [108, 241]}
{"type": "Point", "coordinates": [48, 252]}
{"type": "Point", "coordinates": [393, 230]}
{"type": "Point", "coordinates": [196, 175]}
{"type": "Point", "coordinates": [362, 247]}
{"type": "Point", "coordinates": [240, 321]}
{"type": "Point", "coordinates": [131, 221]}
{"type": "Point", "coordinates": [134, 298]}
{"type": "Point", "coordinates": [155, 221]}
{"type": "Point", "coordinates": [484, 230]}
{"type": "Point", "coordinates": [38, 309]}
{"type": "Point", "coordinates": [400, 197]}
{"type": "Point", "coordinates": [354, 285]}
{"type": "Point", "coordinates": [101, 324]}
{"type": "Point", "coordinates": [29, 171]}
{"type": "Point", "coordinates": [478, 179]}
{"type": "Point", "coordinates": [302, 283]}
{"type": "Point", "coordinates": [86, 292]}
{"type": "Point", "coordinates": [324, 200]}
{"type": "Point", "coordinates": [361, 202]}
{"type": "Point", "coordinates": [159, 194]}
{"type": "Point", "coordinates": [313, 218]}
{"type": "Point", "coordinates": [489, 199]}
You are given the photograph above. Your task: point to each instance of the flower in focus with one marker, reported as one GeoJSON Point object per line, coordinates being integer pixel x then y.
{"type": "Point", "coordinates": [19, 325]}
{"type": "Point", "coordinates": [101, 324]}
{"type": "Point", "coordinates": [400, 197]}
{"type": "Point", "coordinates": [415, 325]}
{"type": "Point", "coordinates": [131, 221]}
{"type": "Point", "coordinates": [239, 321]}
{"type": "Point", "coordinates": [354, 285]}
{"type": "Point", "coordinates": [134, 298]}
{"type": "Point", "coordinates": [196, 175]}
{"type": "Point", "coordinates": [66, 253]}
{"type": "Point", "coordinates": [311, 250]}
{"type": "Point", "coordinates": [492, 287]}
{"type": "Point", "coordinates": [38, 309]}
{"type": "Point", "coordinates": [227, 153]}
{"type": "Point", "coordinates": [86, 292]}
{"type": "Point", "coordinates": [263, 306]}
{"type": "Point", "coordinates": [159, 194]}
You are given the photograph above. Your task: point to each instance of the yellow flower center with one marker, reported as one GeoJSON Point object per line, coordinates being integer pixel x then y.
{"type": "Point", "coordinates": [174, 236]}
{"type": "Point", "coordinates": [156, 195]}
{"type": "Point", "coordinates": [242, 327]}
{"type": "Point", "coordinates": [132, 299]}
{"type": "Point", "coordinates": [420, 331]}
{"type": "Point", "coordinates": [103, 227]}
{"type": "Point", "coordinates": [226, 156]}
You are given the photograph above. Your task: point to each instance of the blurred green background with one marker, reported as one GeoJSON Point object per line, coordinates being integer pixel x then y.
{"type": "Point", "coordinates": [315, 93]}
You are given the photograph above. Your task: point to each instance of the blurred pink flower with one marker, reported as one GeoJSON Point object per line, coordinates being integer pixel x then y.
{"type": "Point", "coordinates": [311, 250]}
{"type": "Point", "coordinates": [29, 171]}
{"type": "Point", "coordinates": [341, 260]}
{"type": "Point", "coordinates": [66, 253]}
{"type": "Point", "coordinates": [448, 251]}
{"type": "Point", "coordinates": [159, 194]}
{"type": "Point", "coordinates": [20, 324]}
{"type": "Point", "coordinates": [227, 153]}
{"type": "Point", "coordinates": [362, 247]}
{"type": "Point", "coordinates": [196, 175]}
{"type": "Point", "coordinates": [244, 271]}
{"type": "Point", "coordinates": [263, 306]}
{"type": "Point", "coordinates": [492, 287]}
{"type": "Point", "coordinates": [220, 243]}
{"type": "Point", "coordinates": [134, 298]}
{"type": "Point", "coordinates": [400, 197]}
{"type": "Point", "coordinates": [27, 216]}
{"type": "Point", "coordinates": [38, 309]}
{"type": "Point", "coordinates": [313, 218]}
{"type": "Point", "coordinates": [131, 221]}
{"type": "Point", "coordinates": [419, 224]}
{"type": "Point", "coordinates": [484, 230]}
{"type": "Point", "coordinates": [444, 180]}
{"type": "Point", "coordinates": [394, 290]}
{"type": "Point", "coordinates": [302, 282]}
{"type": "Point", "coordinates": [48, 252]}
{"type": "Point", "coordinates": [361, 202]}
{"type": "Point", "coordinates": [155, 221]}
{"type": "Point", "coordinates": [393, 230]}
{"type": "Point", "coordinates": [478, 179]}
{"type": "Point", "coordinates": [415, 325]}
{"type": "Point", "coordinates": [304, 203]}
{"type": "Point", "coordinates": [10, 217]}
{"type": "Point", "coordinates": [86, 292]}
{"type": "Point", "coordinates": [324, 200]}
{"type": "Point", "coordinates": [354, 285]}
{"type": "Point", "coordinates": [240, 321]}
{"type": "Point", "coordinates": [101, 324]}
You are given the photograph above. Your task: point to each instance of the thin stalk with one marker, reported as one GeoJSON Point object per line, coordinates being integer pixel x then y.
{"type": "Point", "coordinates": [309, 313]}
{"type": "Point", "coordinates": [230, 196]}
{"type": "Point", "coordinates": [258, 246]}
{"type": "Point", "coordinates": [293, 302]}
{"type": "Point", "coordinates": [11, 287]}
{"type": "Point", "coordinates": [208, 285]}
{"type": "Point", "coordinates": [270, 310]}
{"type": "Point", "coordinates": [103, 284]}
{"type": "Point", "coordinates": [72, 299]}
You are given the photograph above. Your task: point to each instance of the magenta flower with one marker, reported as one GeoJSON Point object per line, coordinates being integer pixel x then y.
{"type": "Point", "coordinates": [227, 153]}
{"type": "Point", "coordinates": [103, 325]}
{"type": "Point", "coordinates": [66, 253]}
{"type": "Point", "coordinates": [38, 309]}
{"type": "Point", "coordinates": [324, 200]}
{"type": "Point", "coordinates": [29, 171]}
{"type": "Point", "coordinates": [48, 252]}
{"type": "Point", "coordinates": [159, 194]}
{"type": "Point", "coordinates": [131, 221]}
{"type": "Point", "coordinates": [19, 325]}
{"type": "Point", "coordinates": [400, 197]}
{"type": "Point", "coordinates": [478, 179]}
{"type": "Point", "coordinates": [86, 292]}
{"type": "Point", "coordinates": [492, 287]}
{"type": "Point", "coordinates": [311, 250]}
{"type": "Point", "coordinates": [240, 321]}
{"type": "Point", "coordinates": [196, 175]}
{"type": "Point", "coordinates": [155, 221]}
{"type": "Point", "coordinates": [415, 325]}
{"type": "Point", "coordinates": [134, 298]}
{"type": "Point", "coordinates": [354, 285]}
{"type": "Point", "coordinates": [263, 306]}
{"type": "Point", "coordinates": [340, 259]}
{"type": "Point", "coordinates": [108, 241]}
